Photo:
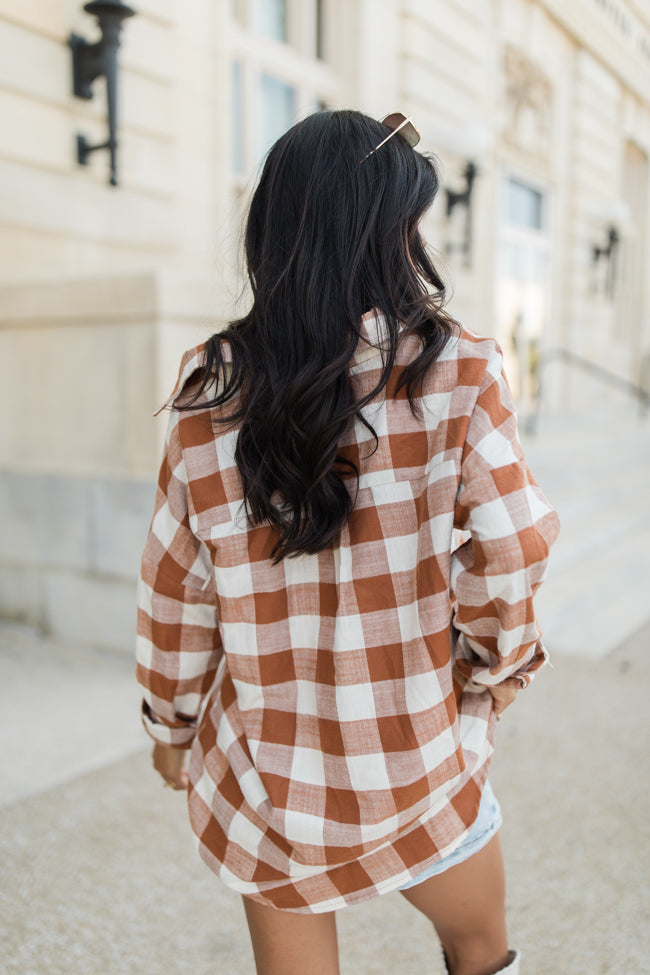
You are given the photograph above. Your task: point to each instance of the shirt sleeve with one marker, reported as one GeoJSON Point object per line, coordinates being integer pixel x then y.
{"type": "Point", "coordinates": [508, 527]}
{"type": "Point", "coordinates": [178, 644]}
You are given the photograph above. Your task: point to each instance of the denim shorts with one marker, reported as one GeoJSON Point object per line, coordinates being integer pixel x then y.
{"type": "Point", "coordinates": [485, 825]}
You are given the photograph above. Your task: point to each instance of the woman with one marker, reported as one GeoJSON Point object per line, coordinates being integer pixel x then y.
{"type": "Point", "coordinates": [335, 602]}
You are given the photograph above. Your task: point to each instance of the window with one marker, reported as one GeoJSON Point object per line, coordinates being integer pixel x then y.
{"type": "Point", "coordinates": [523, 205]}
{"type": "Point", "coordinates": [269, 18]}
{"type": "Point", "coordinates": [522, 291]}
{"type": "Point", "coordinates": [278, 74]}
{"type": "Point", "coordinates": [276, 111]}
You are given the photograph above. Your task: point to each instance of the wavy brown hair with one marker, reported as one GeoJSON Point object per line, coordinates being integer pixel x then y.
{"type": "Point", "coordinates": [328, 238]}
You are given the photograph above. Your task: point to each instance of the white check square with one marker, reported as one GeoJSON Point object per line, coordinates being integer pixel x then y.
{"type": "Point", "coordinates": [368, 773]}
{"type": "Point", "coordinates": [308, 766]}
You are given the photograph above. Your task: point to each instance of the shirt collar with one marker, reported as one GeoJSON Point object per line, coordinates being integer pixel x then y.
{"type": "Point", "coordinates": [374, 336]}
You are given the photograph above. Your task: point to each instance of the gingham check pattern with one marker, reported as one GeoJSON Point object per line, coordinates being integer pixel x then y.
{"type": "Point", "coordinates": [335, 704]}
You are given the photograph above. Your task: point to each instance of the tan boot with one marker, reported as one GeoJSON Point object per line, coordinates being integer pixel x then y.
{"type": "Point", "coordinates": [512, 968]}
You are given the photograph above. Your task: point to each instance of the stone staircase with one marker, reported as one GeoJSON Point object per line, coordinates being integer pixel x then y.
{"type": "Point", "coordinates": [596, 472]}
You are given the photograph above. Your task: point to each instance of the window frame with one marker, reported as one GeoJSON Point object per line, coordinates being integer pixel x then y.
{"type": "Point", "coordinates": [294, 62]}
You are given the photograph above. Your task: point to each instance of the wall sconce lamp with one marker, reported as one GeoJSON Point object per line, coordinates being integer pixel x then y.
{"type": "Point", "coordinates": [463, 198]}
{"type": "Point", "coordinates": [609, 255]}
{"type": "Point", "coordinates": [92, 61]}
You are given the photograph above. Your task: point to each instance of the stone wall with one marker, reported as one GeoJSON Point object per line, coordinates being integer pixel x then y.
{"type": "Point", "coordinates": [69, 554]}
{"type": "Point", "coordinates": [83, 366]}
{"type": "Point", "coordinates": [59, 218]}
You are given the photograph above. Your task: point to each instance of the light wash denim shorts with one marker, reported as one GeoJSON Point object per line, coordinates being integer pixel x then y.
{"type": "Point", "coordinates": [485, 825]}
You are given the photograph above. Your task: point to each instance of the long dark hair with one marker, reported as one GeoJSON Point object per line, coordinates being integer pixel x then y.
{"type": "Point", "coordinates": [328, 238]}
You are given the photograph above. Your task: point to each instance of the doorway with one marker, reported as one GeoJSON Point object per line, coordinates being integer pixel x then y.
{"type": "Point", "coordinates": [522, 288]}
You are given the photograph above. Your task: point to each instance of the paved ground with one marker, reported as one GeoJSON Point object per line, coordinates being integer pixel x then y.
{"type": "Point", "coordinates": [100, 876]}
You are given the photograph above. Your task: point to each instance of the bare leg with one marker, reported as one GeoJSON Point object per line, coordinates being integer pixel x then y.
{"type": "Point", "coordinates": [466, 905]}
{"type": "Point", "coordinates": [292, 944]}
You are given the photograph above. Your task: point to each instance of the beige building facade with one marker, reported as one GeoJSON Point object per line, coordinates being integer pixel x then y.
{"type": "Point", "coordinates": [540, 107]}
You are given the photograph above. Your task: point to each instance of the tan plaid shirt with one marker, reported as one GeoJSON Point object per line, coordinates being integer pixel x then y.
{"type": "Point", "coordinates": [335, 703]}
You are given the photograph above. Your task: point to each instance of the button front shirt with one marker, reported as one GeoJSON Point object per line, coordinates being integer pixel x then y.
{"type": "Point", "coordinates": [336, 703]}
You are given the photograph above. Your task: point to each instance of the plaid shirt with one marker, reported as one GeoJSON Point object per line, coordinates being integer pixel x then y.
{"type": "Point", "coordinates": [335, 703]}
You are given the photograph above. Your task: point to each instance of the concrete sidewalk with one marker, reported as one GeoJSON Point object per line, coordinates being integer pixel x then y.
{"type": "Point", "coordinates": [100, 876]}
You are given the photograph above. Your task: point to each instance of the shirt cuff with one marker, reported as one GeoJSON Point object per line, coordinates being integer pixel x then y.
{"type": "Point", "coordinates": [178, 736]}
{"type": "Point", "coordinates": [518, 678]}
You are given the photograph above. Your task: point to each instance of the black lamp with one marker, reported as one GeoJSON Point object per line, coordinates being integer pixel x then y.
{"type": "Point", "coordinates": [91, 61]}
{"type": "Point", "coordinates": [463, 198]}
{"type": "Point", "coordinates": [608, 253]}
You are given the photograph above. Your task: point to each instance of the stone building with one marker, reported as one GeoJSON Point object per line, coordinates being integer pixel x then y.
{"type": "Point", "coordinates": [539, 111]}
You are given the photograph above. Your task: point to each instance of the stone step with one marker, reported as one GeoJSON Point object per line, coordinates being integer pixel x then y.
{"type": "Point", "coordinates": [589, 605]}
{"type": "Point", "coordinates": [593, 523]}
{"type": "Point", "coordinates": [570, 466]}
{"type": "Point", "coordinates": [596, 472]}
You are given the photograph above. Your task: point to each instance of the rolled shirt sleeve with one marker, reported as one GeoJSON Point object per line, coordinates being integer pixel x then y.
{"type": "Point", "coordinates": [507, 527]}
{"type": "Point", "coordinates": [178, 645]}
